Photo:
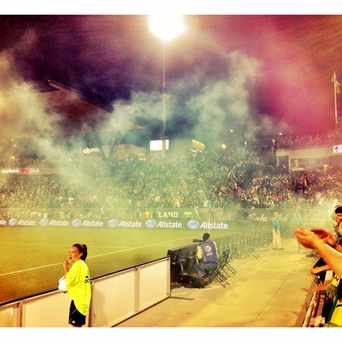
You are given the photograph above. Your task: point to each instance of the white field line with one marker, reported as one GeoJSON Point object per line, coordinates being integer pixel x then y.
{"type": "Point", "coordinates": [92, 257]}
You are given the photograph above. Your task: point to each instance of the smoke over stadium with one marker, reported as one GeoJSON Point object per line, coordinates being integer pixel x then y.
{"type": "Point", "coordinates": [217, 111]}
{"type": "Point", "coordinates": [207, 106]}
{"type": "Point", "coordinates": [137, 148]}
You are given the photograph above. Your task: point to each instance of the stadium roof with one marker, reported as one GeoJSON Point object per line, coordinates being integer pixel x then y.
{"type": "Point", "coordinates": [69, 101]}
{"type": "Point", "coordinates": [72, 103]}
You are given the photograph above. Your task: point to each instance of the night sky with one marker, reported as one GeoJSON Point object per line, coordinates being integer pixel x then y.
{"type": "Point", "coordinates": [108, 57]}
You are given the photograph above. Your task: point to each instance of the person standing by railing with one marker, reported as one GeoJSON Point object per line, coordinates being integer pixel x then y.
{"type": "Point", "coordinates": [276, 237]}
{"type": "Point", "coordinates": [78, 284]}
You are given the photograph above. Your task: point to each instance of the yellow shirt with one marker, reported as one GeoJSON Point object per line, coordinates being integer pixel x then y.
{"type": "Point", "coordinates": [78, 285]}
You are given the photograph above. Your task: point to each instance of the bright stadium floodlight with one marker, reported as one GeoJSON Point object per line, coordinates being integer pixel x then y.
{"type": "Point", "coordinates": [167, 27]}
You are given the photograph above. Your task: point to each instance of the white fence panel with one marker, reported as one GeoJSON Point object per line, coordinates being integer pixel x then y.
{"type": "Point", "coordinates": [9, 316]}
{"type": "Point", "coordinates": [154, 283]}
{"type": "Point", "coordinates": [113, 299]}
{"type": "Point", "coordinates": [51, 310]}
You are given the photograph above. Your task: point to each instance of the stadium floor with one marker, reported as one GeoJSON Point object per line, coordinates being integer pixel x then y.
{"type": "Point", "coordinates": [31, 258]}
{"type": "Point", "coordinates": [268, 290]}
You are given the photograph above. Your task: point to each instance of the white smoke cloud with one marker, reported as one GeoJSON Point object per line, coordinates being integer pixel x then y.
{"type": "Point", "coordinates": [211, 106]}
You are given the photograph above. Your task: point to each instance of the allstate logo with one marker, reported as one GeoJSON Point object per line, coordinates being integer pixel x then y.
{"type": "Point", "coordinates": [193, 224]}
{"type": "Point", "coordinates": [76, 222]}
{"type": "Point", "coordinates": [113, 223]}
{"type": "Point", "coordinates": [151, 223]}
{"type": "Point", "coordinates": [12, 221]}
{"type": "Point", "coordinates": [44, 222]}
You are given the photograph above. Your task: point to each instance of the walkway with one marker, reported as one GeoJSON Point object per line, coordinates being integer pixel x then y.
{"type": "Point", "coordinates": [269, 290]}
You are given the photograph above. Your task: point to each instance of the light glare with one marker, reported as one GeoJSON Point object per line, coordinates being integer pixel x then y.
{"type": "Point", "coordinates": [166, 28]}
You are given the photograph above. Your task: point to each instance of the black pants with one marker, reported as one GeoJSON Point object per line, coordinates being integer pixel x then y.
{"type": "Point", "coordinates": [202, 267]}
{"type": "Point", "coordinates": [75, 317]}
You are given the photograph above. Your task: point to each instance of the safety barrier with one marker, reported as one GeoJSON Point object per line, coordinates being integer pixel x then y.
{"type": "Point", "coordinates": [44, 216]}
{"type": "Point", "coordinates": [244, 244]}
{"type": "Point", "coordinates": [230, 218]}
{"type": "Point", "coordinates": [115, 297]}
{"type": "Point", "coordinates": [313, 317]}
{"type": "Point", "coordinates": [312, 312]}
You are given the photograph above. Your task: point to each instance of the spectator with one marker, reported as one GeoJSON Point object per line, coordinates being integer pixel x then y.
{"type": "Point", "coordinates": [78, 284]}
{"type": "Point", "coordinates": [276, 237]}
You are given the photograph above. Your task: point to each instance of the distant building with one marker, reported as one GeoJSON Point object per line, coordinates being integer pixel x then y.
{"type": "Point", "coordinates": [308, 158]}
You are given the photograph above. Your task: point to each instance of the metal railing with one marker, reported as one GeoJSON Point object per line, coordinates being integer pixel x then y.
{"type": "Point", "coordinates": [312, 312]}
{"type": "Point", "coordinates": [244, 244]}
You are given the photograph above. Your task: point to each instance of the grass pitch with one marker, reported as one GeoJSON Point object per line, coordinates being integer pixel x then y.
{"type": "Point", "coordinates": [31, 258]}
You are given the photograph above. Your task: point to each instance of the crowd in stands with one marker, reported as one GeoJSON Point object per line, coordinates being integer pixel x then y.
{"type": "Point", "coordinates": [298, 140]}
{"type": "Point", "coordinates": [202, 180]}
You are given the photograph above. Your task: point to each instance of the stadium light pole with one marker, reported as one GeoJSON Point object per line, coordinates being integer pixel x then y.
{"type": "Point", "coordinates": [166, 28]}
{"type": "Point", "coordinates": [337, 90]}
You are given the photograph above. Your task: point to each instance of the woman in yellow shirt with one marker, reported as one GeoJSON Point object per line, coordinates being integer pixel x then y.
{"type": "Point", "coordinates": [78, 284]}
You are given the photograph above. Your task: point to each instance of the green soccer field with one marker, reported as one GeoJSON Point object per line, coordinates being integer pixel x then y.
{"type": "Point", "coordinates": [31, 258]}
